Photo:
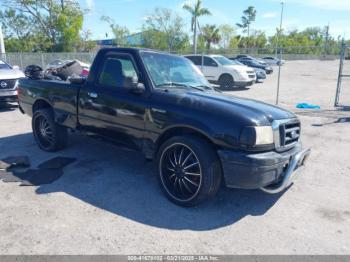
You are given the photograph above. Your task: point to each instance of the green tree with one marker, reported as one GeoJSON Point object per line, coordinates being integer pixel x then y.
{"type": "Point", "coordinates": [211, 35]}
{"type": "Point", "coordinates": [257, 39]}
{"type": "Point", "coordinates": [246, 20]}
{"type": "Point", "coordinates": [227, 33]}
{"type": "Point", "coordinates": [234, 42]}
{"type": "Point", "coordinates": [196, 11]}
{"type": "Point", "coordinates": [120, 32]}
{"type": "Point", "coordinates": [164, 30]}
{"type": "Point", "coordinates": [50, 25]}
{"type": "Point", "coordinates": [86, 44]}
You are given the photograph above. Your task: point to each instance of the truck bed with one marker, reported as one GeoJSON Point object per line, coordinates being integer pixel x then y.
{"type": "Point", "coordinates": [61, 95]}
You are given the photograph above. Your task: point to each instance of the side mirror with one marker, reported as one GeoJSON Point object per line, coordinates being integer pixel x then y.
{"type": "Point", "coordinates": [135, 86]}
{"type": "Point", "coordinates": [138, 89]}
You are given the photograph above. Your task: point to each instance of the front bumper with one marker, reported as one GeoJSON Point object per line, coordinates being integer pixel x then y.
{"type": "Point", "coordinates": [244, 83]}
{"type": "Point", "coordinates": [269, 71]}
{"type": "Point", "coordinates": [8, 96]}
{"type": "Point", "coordinates": [270, 171]}
{"type": "Point", "coordinates": [260, 77]}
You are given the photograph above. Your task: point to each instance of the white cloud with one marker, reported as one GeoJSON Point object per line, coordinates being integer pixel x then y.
{"type": "Point", "coordinates": [340, 5]}
{"type": "Point", "coordinates": [90, 4]}
{"type": "Point", "coordinates": [188, 2]}
{"type": "Point", "coordinates": [269, 15]}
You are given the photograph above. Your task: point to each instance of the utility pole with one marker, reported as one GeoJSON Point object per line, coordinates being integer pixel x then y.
{"type": "Point", "coordinates": [62, 5]}
{"type": "Point", "coordinates": [326, 42]}
{"type": "Point", "coordinates": [280, 29]}
{"type": "Point", "coordinates": [280, 57]}
{"type": "Point", "coordinates": [2, 44]}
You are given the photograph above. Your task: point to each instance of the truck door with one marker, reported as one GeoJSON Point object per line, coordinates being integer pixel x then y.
{"type": "Point", "coordinates": [108, 108]}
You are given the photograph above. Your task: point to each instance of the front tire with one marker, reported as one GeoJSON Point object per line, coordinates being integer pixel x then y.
{"type": "Point", "coordinates": [226, 81]}
{"type": "Point", "coordinates": [48, 135]}
{"type": "Point", "coordinates": [189, 170]}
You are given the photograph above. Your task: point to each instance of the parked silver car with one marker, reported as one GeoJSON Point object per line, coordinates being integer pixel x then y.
{"type": "Point", "coordinates": [8, 81]}
{"type": "Point", "coordinates": [273, 60]}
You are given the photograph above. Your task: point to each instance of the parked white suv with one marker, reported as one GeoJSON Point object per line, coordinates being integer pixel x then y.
{"type": "Point", "coordinates": [221, 70]}
{"type": "Point", "coordinates": [8, 81]}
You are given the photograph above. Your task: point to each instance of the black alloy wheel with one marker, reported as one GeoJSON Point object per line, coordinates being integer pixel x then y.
{"type": "Point", "coordinates": [181, 172]}
{"type": "Point", "coordinates": [44, 133]}
{"type": "Point", "coordinates": [48, 135]}
{"type": "Point", "coordinates": [189, 170]}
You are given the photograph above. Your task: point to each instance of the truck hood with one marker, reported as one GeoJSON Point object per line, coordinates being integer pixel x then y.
{"type": "Point", "coordinates": [256, 112]}
{"type": "Point", "coordinates": [10, 74]}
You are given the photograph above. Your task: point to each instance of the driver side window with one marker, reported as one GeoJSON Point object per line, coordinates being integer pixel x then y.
{"type": "Point", "coordinates": [117, 71]}
{"type": "Point", "coordinates": [209, 62]}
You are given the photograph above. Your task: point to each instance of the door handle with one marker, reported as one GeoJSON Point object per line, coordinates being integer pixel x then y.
{"type": "Point", "coordinates": [92, 95]}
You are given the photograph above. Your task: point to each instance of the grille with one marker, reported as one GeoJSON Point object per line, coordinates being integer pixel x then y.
{"type": "Point", "coordinates": [250, 72]}
{"type": "Point", "coordinates": [286, 133]}
{"type": "Point", "coordinates": [8, 84]}
{"type": "Point", "coordinates": [289, 134]}
{"type": "Point", "coordinates": [251, 76]}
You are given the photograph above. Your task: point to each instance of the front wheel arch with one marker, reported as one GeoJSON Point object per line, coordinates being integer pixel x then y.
{"type": "Point", "coordinates": [180, 131]}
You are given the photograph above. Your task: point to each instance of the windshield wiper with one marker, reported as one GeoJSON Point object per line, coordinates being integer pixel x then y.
{"type": "Point", "coordinates": [171, 84]}
{"type": "Point", "coordinates": [203, 87]}
{"type": "Point", "coordinates": [180, 85]}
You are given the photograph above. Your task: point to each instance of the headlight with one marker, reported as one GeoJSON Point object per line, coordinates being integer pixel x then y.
{"type": "Point", "coordinates": [256, 136]}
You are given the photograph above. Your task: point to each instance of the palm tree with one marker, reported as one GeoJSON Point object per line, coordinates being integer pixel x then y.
{"type": "Point", "coordinates": [248, 17]}
{"type": "Point", "coordinates": [196, 11]}
{"type": "Point", "coordinates": [211, 35]}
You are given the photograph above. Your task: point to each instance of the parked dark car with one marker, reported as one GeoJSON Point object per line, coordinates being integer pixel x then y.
{"type": "Point", "coordinates": [254, 64]}
{"type": "Point", "coordinates": [260, 75]}
{"type": "Point", "coordinates": [162, 105]}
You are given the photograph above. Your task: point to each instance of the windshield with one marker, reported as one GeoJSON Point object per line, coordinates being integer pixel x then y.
{"type": "Point", "coordinates": [236, 62]}
{"type": "Point", "coordinates": [3, 65]}
{"type": "Point", "coordinates": [172, 71]}
{"type": "Point", "coordinates": [223, 60]}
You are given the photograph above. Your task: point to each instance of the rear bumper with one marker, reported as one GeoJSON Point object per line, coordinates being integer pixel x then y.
{"type": "Point", "coordinates": [261, 170]}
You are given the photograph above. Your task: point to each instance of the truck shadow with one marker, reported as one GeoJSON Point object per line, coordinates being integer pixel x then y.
{"type": "Point", "coordinates": [5, 107]}
{"type": "Point", "coordinates": [123, 183]}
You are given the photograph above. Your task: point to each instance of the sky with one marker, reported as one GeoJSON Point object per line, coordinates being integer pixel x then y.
{"type": "Point", "coordinates": [298, 14]}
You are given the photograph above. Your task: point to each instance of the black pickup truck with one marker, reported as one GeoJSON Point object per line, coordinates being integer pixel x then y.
{"type": "Point", "coordinates": [162, 105]}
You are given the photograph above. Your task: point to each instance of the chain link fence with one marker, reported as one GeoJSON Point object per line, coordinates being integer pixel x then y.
{"type": "Point", "coordinates": [43, 59]}
{"type": "Point", "coordinates": [309, 75]}
{"type": "Point", "coordinates": [291, 53]}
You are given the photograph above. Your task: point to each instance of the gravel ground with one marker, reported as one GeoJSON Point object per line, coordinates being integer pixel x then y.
{"type": "Point", "coordinates": [109, 202]}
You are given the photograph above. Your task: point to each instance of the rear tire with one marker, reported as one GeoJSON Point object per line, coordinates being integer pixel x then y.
{"type": "Point", "coordinates": [226, 81]}
{"type": "Point", "coordinates": [189, 170]}
{"type": "Point", "coordinates": [48, 135]}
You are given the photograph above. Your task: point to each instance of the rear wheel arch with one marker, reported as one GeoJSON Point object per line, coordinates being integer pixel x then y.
{"type": "Point", "coordinates": [41, 104]}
